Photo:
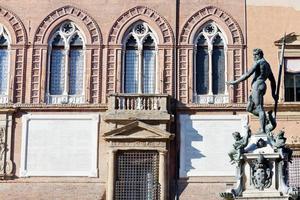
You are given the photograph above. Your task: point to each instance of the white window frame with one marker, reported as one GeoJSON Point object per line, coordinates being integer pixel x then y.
{"type": "Point", "coordinates": [65, 98]}
{"type": "Point", "coordinates": [295, 73]}
{"type": "Point", "coordinates": [211, 98]}
{"type": "Point", "coordinates": [140, 40]}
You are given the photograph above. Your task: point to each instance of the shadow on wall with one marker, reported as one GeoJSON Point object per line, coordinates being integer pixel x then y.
{"type": "Point", "coordinates": [192, 135]}
{"type": "Point", "coordinates": [190, 152]}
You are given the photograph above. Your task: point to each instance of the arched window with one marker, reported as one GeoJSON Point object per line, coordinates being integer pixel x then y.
{"type": "Point", "coordinates": [210, 70]}
{"type": "Point", "coordinates": [66, 65]}
{"type": "Point", "coordinates": [139, 67]}
{"type": "Point", "coordinates": [202, 66]}
{"type": "Point", "coordinates": [4, 64]}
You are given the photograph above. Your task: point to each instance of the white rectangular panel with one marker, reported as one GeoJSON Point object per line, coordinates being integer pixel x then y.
{"type": "Point", "coordinates": [59, 145]}
{"type": "Point", "coordinates": [205, 143]}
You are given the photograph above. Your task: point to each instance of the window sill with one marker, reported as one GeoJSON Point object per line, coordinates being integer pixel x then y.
{"type": "Point", "coordinates": [211, 99]}
{"type": "Point", "coordinates": [65, 99]}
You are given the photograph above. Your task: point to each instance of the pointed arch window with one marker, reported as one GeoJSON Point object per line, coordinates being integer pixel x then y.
{"type": "Point", "coordinates": [4, 65]}
{"type": "Point", "coordinates": [210, 66]}
{"type": "Point", "coordinates": [139, 67]}
{"type": "Point", "coordinates": [66, 65]}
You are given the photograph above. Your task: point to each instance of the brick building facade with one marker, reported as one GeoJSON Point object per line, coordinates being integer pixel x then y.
{"type": "Point", "coordinates": [127, 99]}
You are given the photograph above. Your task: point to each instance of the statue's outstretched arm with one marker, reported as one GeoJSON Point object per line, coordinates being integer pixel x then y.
{"type": "Point", "coordinates": [244, 76]}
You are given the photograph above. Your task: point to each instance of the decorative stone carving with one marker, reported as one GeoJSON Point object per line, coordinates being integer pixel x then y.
{"type": "Point", "coordinates": [63, 99]}
{"type": "Point", "coordinates": [6, 166]}
{"type": "Point", "coordinates": [16, 24]}
{"type": "Point", "coordinates": [295, 139]}
{"type": "Point", "coordinates": [211, 99]}
{"type": "Point", "coordinates": [90, 23]}
{"type": "Point", "coordinates": [162, 23]}
{"type": "Point", "coordinates": [261, 175]}
{"type": "Point", "coordinates": [3, 99]}
{"type": "Point", "coordinates": [232, 25]}
{"type": "Point", "coordinates": [262, 170]}
{"type": "Point", "coordinates": [39, 52]}
{"type": "Point", "coordinates": [19, 39]}
{"type": "Point", "coordinates": [278, 144]}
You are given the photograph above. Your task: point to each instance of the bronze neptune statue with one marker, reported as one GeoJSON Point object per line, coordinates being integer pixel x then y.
{"type": "Point", "coordinates": [261, 71]}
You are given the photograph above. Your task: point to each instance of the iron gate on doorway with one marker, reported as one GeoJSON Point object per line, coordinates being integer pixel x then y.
{"type": "Point", "coordinates": [137, 175]}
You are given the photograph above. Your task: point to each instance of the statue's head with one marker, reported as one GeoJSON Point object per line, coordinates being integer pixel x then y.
{"type": "Point", "coordinates": [258, 54]}
{"type": "Point", "coordinates": [236, 135]}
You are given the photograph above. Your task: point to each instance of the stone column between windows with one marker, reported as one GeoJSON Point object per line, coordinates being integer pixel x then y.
{"type": "Point", "coordinates": [66, 88]}
{"type": "Point", "coordinates": [111, 174]}
{"type": "Point", "coordinates": [210, 70]}
{"type": "Point", "coordinates": [48, 72]}
{"type": "Point", "coordinates": [139, 101]}
{"type": "Point", "coordinates": [139, 72]}
{"type": "Point", "coordinates": [226, 71]}
{"type": "Point", "coordinates": [194, 73]}
{"type": "Point", "coordinates": [162, 174]}
{"type": "Point", "coordinates": [156, 72]}
{"type": "Point", "coordinates": [10, 93]}
{"type": "Point", "coordinates": [44, 76]}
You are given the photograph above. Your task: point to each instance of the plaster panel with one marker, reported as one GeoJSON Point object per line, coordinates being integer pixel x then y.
{"type": "Point", "coordinates": [205, 143]}
{"type": "Point", "coordinates": [59, 145]}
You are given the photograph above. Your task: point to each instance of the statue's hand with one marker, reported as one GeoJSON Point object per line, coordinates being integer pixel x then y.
{"type": "Point", "coordinates": [230, 82]}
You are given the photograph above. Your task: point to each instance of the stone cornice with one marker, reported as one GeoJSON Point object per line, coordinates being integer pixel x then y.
{"type": "Point", "coordinates": [56, 107]}
{"type": "Point", "coordinates": [295, 107]}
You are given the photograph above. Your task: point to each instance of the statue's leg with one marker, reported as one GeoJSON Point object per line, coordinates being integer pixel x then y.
{"type": "Point", "coordinates": [258, 99]}
{"type": "Point", "coordinates": [270, 122]}
{"type": "Point", "coordinates": [251, 106]}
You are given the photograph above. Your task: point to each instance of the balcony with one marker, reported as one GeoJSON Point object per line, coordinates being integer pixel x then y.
{"type": "Point", "coordinates": [138, 106]}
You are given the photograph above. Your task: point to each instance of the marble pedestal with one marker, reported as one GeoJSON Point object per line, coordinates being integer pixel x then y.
{"type": "Point", "coordinates": [261, 171]}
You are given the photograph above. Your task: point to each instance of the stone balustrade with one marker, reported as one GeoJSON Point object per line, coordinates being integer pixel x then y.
{"type": "Point", "coordinates": [211, 99]}
{"type": "Point", "coordinates": [136, 102]}
{"type": "Point", "coordinates": [65, 99]}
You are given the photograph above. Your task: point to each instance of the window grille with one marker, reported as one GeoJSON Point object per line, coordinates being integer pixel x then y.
{"type": "Point", "coordinates": [131, 71]}
{"type": "Point", "coordinates": [3, 71]}
{"type": "Point", "coordinates": [4, 59]}
{"type": "Point", "coordinates": [202, 71]}
{"type": "Point", "coordinates": [294, 173]}
{"type": "Point", "coordinates": [218, 66]}
{"type": "Point", "coordinates": [148, 71]}
{"type": "Point", "coordinates": [57, 71]}
{"type": "Point", "coordinates": [137, 175]}
{"type": "Point", "coordinates": [76, 72]}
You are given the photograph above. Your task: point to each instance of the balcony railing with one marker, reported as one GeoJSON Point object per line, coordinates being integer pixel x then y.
{"type": "Point", "coordinates": [211, 99]}
{"type": "Point", "coordinates": [138, 102]}
{"type": "Point", "coordinates": [65, 99]}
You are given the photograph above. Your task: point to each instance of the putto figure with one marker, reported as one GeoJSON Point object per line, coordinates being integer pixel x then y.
{"type": "Point", "coordinates": [262, 71]}
{"type": "Point", "coordinates": [238, 146]}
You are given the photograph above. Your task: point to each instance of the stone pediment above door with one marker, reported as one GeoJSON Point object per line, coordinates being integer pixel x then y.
{"type": "Point", "coordinates": [138, 130]}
